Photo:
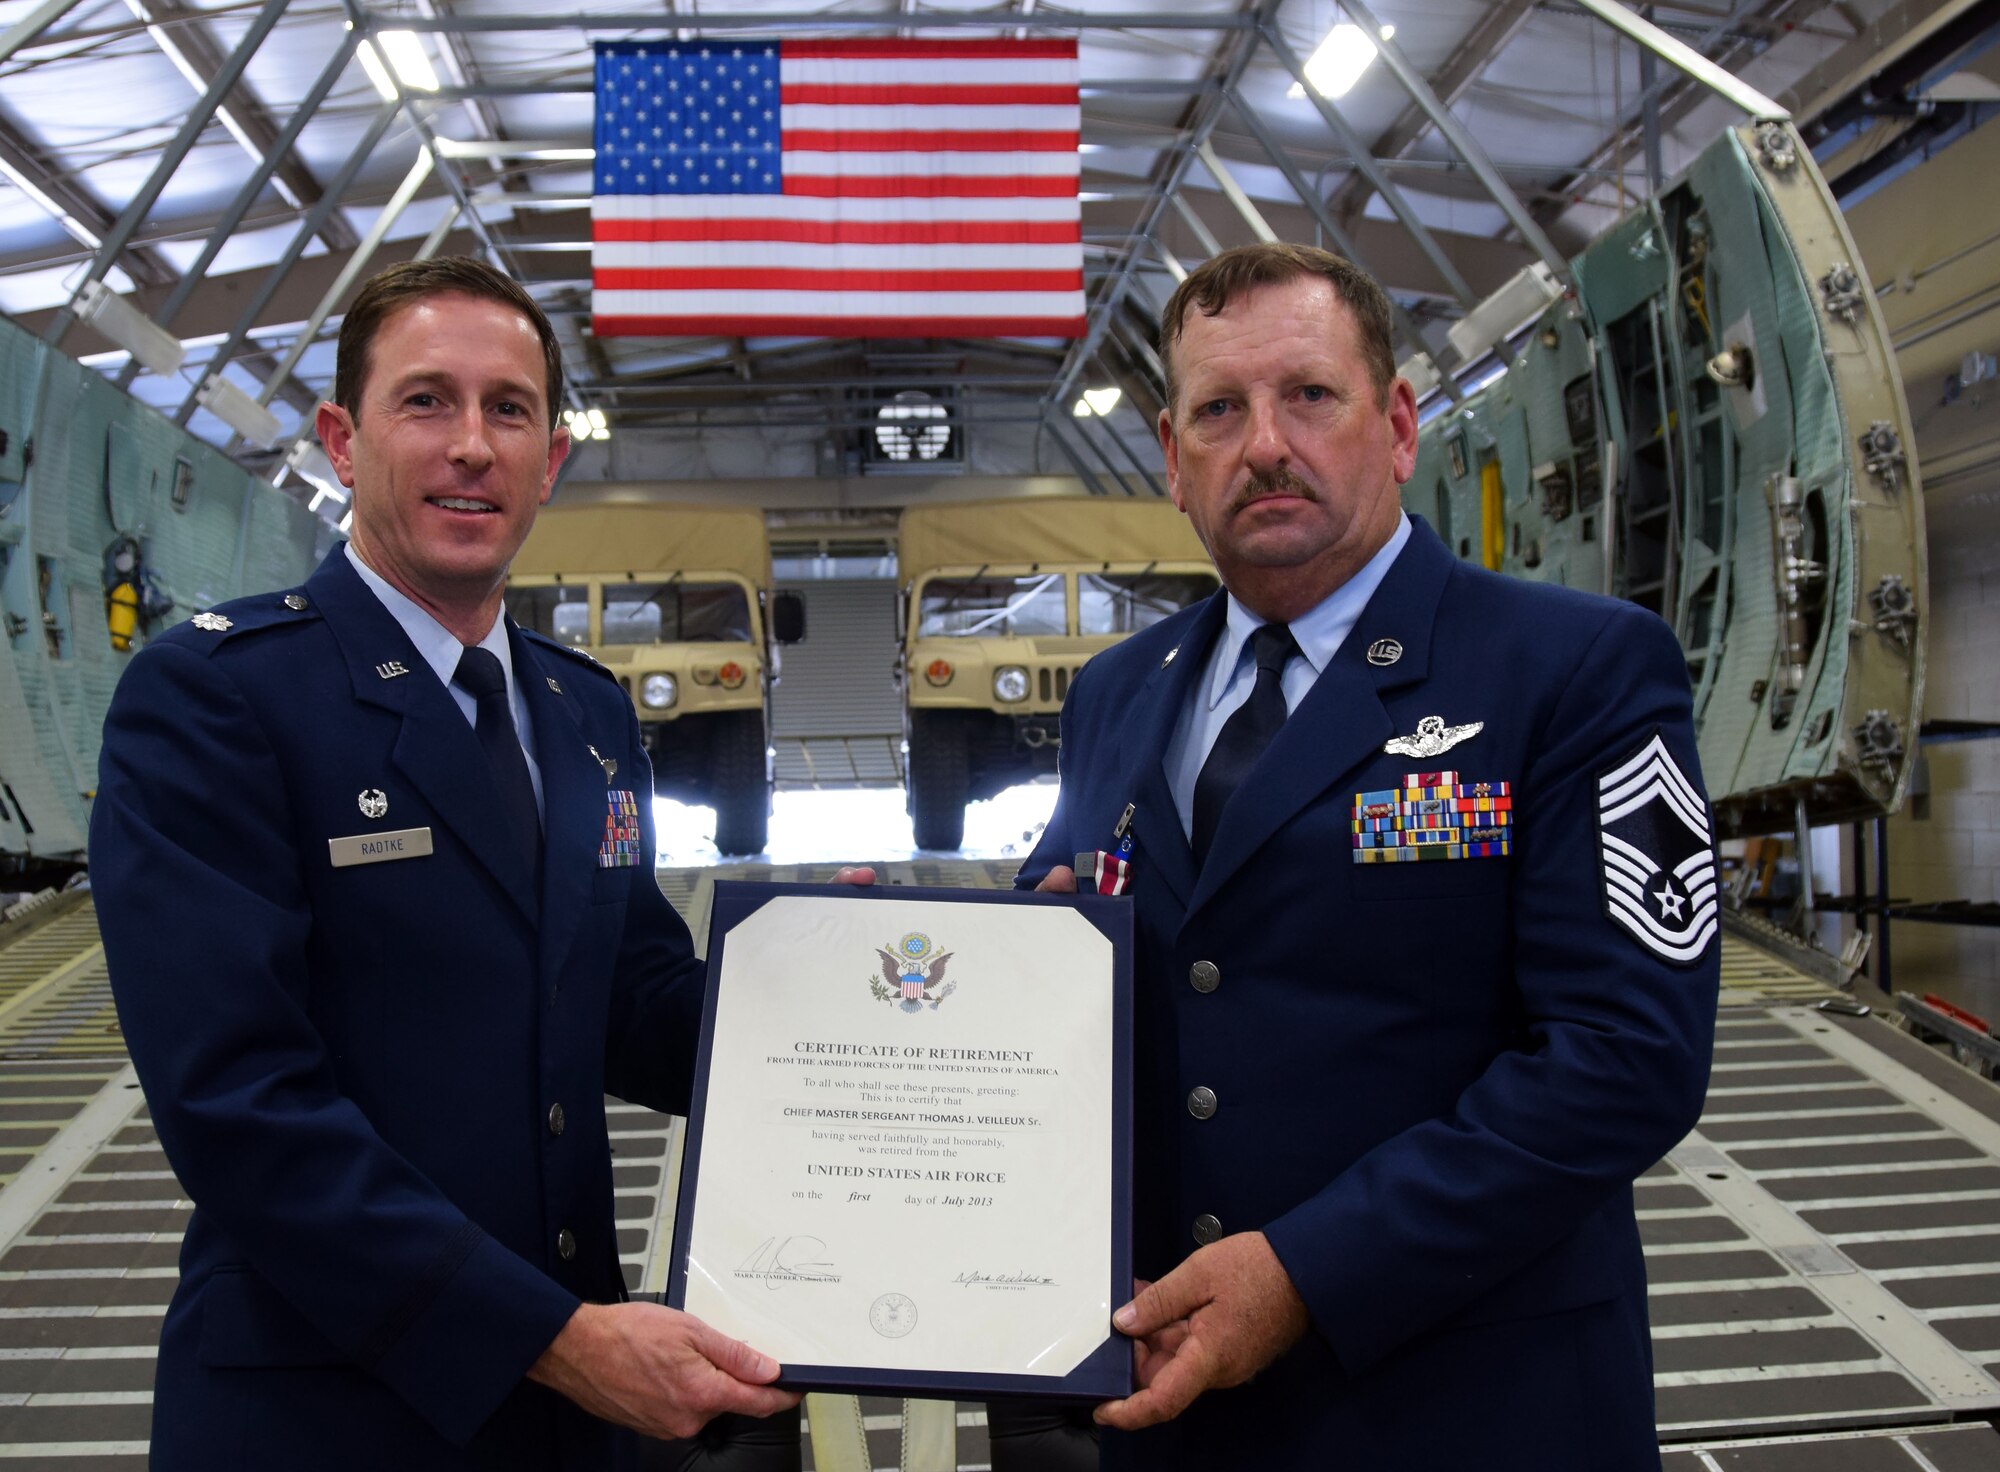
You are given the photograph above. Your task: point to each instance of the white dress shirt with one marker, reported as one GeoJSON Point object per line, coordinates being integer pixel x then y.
{"type": "Point", "coordinates": [440, 649]}
{"type": "Point", "coordinates": [1230, 675]}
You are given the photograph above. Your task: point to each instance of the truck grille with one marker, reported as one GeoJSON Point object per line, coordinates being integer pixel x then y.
{"type": "Point", "coordinates": [1052, 684]}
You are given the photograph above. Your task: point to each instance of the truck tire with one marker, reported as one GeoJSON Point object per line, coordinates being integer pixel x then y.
{"type": "Point", "coordinates": [940, 780]}
{"type": "Point", "coordinates": [742, 792]}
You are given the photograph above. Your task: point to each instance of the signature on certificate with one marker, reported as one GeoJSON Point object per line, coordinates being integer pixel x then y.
{"type": "Point", "coordinates": [781, 1260]}
{"type": "Point", "coordinates": [1011, 1279]}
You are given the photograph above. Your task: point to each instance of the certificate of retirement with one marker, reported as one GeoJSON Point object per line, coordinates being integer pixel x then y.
{"type": "Point", "coordinates": [905, 1169]}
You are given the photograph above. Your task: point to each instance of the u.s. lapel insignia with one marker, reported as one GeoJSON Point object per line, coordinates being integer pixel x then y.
{"type": "Point", "coordinates": [391, 669]}
{"type": "Point", "coordinates": [1385, 651]}
{"type": "Point", "coordinates": [374, 803]}
{"type": "Point", "coordinates": [609, 763]}
{"type": "Point", "coordinates": [553, 683]}
{"type": "Point", "coordinates": [211, 623]}
{"type": "Point", "coordinates": [1657, 852]}
{"type": "Point", "coordinates": [1170, 656]}
{"type": "Point", "coordinates": [1433, 738]}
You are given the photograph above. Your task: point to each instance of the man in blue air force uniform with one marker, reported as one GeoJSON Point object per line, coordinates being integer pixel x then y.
{"type": "Point", "coordinates": [1426, 908]}
{"type": "Point", "coordinates": [374, 872]}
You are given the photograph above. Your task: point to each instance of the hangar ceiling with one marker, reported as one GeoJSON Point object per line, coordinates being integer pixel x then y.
{"type": "Point", "coordinates": [230, 167]}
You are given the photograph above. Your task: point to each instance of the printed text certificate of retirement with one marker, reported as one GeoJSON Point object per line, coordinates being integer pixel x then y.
{"type": "Point", "coordinates": [912, 1175]}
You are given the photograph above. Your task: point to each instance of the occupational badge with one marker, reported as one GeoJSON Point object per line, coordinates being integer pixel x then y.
{"type": "Point", "coordinates": [1657, 853]}
{"type": "Point", "coordinates": [914, 973]}
{"type": "Point", "coordinates": [211, 623]}
{"type": "Point", "coordinates": [374, 803]}
{"type": "Point", "coordinates": [1433, 738]}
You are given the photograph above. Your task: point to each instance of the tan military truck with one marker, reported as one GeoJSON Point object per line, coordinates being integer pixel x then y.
{"type": "Point", "coordinates": [673, 600]}
{"type": "Point", "coordinates": [1003, 602]}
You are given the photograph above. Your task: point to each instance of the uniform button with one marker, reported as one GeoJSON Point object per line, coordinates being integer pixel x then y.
{"type": "Point", "coordinates": [555, 1119]}
{"type": "Point", "coordinates": [296, 602]}
{"type": "Point", "coordinates": [1201, 1101]}
{"type": "Point", "coordinates": [1204, 977]}
{"type": "Point", "coordinates": [566, 1243]}
{"type": "Point", "coordinates": [1206, 1229]}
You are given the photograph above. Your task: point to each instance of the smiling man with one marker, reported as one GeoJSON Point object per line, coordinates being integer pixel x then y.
{"type": "Point", "coordinates": [1399, 1054]}
{"type": "Point", "coordinates": [374, 869]}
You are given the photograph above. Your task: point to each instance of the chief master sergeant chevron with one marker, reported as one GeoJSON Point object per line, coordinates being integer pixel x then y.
{"type": "Point", "coordinates": [374, 873]}
{"type": "Point", "coordinates": [1425, 897]}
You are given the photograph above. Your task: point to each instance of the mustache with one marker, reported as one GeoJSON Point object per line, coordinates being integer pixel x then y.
{"type": "Point", "coordinates": [1279, 482]}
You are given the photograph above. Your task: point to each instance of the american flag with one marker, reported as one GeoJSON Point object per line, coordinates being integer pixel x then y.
{"type": "Point", "coordinates": [846, 188]}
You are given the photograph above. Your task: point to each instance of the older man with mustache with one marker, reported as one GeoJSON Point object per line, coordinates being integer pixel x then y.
{"type": "Point", "coordinates": [1405, 1034]}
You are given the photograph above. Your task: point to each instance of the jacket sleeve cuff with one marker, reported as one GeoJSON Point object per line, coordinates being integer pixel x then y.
{"type": "Point", "coordinates": [1338, 1317]}
{"type": "Point", "coordinates": [474, 1341]}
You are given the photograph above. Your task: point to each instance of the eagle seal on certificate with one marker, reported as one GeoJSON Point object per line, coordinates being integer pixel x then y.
{"type": "Point", "coordinates": [914, 972]}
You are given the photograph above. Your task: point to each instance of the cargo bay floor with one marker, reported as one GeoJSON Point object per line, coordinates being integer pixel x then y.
{"type": "Point", "coordinates": [1823, 1250]}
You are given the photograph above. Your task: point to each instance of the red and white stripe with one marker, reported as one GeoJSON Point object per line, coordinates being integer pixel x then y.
{"type": "Point", "coordinates": [930, 189]}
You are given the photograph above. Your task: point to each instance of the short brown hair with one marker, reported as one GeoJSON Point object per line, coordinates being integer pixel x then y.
{"type": "Point", "coordinates": [1221, 279]}
{"type": "Point", "coordinates": [388, 292]}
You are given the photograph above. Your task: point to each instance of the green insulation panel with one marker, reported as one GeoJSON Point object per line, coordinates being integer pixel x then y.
{"type": "Point", "coordinates": [1699, 426]}
{"type": "Point", "coordinates": [84, 467]}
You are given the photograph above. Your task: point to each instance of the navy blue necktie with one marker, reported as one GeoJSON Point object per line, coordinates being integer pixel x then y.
{"type": "Point", "coordinates": [1245, 735]}
{"type": "Point", "coordinates": [480, 676]}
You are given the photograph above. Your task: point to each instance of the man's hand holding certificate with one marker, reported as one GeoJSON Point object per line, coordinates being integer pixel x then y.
{"type": "Point", "coordinates": [909, 1166]}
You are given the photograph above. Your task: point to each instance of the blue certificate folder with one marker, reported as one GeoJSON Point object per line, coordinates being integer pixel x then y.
{"type": "Point", "coordinates": [1104, 1374]}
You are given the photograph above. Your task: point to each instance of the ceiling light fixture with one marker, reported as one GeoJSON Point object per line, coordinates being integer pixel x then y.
{"type": "Point", "coordinates": [1098, 401]}
{"type": "Point", "coordinates": [587, 424]}
{"type": "Point", "coordinates": [150, 344]}
{"type": "Point", "coordinates": [408, 59]}
{"type": "Point", "coordinates": [239, 411]}
{"type": "Point", "coordinates": [1340, 60]}
{"type": "Point", "coordinates": [308, 461]}
{"type": "Point", "coordinates": [406, 54]}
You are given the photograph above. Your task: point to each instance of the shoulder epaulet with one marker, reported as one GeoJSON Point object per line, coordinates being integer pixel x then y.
{"type": "Point", "coordinates": [215, 626]}
{"type": "Point", "coordinates": [584, 656]}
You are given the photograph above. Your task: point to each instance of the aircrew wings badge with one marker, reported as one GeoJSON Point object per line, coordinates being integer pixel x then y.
{"type": "Point", "coordinates": [1657, 853]}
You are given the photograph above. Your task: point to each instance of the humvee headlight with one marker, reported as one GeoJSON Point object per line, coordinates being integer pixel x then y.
{"type": "Point", "coordinates": [938, 672]}
{"type": "Point", "coordinates": [732, 675]}
{"type": "Point", "coordinates": [657, 692]}
{"type": "Point", "coordinates": [1010, 683]}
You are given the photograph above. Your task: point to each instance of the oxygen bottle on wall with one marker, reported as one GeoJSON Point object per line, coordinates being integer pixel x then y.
{"type": "Point", "coordinates": [121, 592]}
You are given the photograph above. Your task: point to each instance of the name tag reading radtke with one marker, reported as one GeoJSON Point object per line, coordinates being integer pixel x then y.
{"type": "Point", "coordinates": [379, 848]}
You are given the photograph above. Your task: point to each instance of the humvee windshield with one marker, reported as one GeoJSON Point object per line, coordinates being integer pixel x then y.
{"type": "Point", "coordinates": [560, 613]}
{"type": "Point", "coordinates": [1126, 602]}
{"type": "Point", "coordinates": [676, 613]}
{"type": "Point", "coordinates": [997, 607]}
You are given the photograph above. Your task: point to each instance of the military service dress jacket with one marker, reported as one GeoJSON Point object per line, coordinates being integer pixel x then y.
{"type": "Point", "coordinates": [380, 1079]}
{"type": "Point", "coordinates": [1409, 1019]}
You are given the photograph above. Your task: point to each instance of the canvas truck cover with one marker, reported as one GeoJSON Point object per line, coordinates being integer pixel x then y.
{"type": "Point", "coordinates": [659, 538]}
{"type": "Point", "coordinates": [1048, 529]}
